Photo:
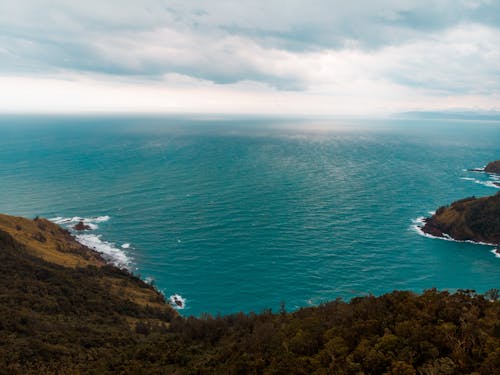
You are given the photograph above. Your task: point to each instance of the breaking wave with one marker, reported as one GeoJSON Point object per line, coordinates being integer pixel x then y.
{"type": "Point", "coordinates": [177, 301]}
{"type": "Point", "coordinates": [493, 180]}
{"type": "Point", "coordinates": [108, 250]}
{"type": "Point", "coordinates": [69, 222]}
{"type": "Point", "coordinates": [419, 222]}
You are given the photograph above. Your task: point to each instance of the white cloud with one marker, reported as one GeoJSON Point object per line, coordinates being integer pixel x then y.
{"type": "Point", "coordinates": [260, 56]}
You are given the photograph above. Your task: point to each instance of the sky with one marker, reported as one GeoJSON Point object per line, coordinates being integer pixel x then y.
{"type": "Point", "coordinates": [316, 57]}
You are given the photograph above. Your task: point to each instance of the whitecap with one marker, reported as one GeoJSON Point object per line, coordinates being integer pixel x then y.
{"type": "Point", "coordinates": [69, 222]}
{"type": "Point", "coordinates": [417, 226]}
{"type": "Point", "coordinates": [177, 301]}
{"type": "Point", "coordinates": [489, 183]}
{"type": "Point", "coordinates": [479, 169]}
{"type": "Point", "coordinates": [496, 252]}
{"type": "Point", "coordinates": [60, 220]}
{"type": "Point", "coordinates": [107, 249]}
{"type": "Point", "coordinates": [493, 178]}
{"type": "Point", "coordinates": [100, 219]}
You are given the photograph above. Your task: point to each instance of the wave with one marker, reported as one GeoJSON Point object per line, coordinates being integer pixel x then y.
{"type": "Point", "coordinates": [177, 301]}
{"type": "Point", "coordinates": [496, 252]}
{"type": "Point", "coordinates": [108, 250]}
{"type": "Point", "coordinates": [90, 221]}
{"type": "Point", "coordinates": [493, 178]}
{"type": "Point", "coordinates": [418, 225]}
{"type": "Point", "coordinates": [479, 169]}
{"type": "Point", "coordinates": [489, 183]}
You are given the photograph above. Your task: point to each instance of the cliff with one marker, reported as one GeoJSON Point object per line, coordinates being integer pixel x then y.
{"type": "Point", "coordinates": [493, 167]}
{"type": "Point", "coordinates": [64, 311]}
{"type": "Point", "coordinates": [474, 219]}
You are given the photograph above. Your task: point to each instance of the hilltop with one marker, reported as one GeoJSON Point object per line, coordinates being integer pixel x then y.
{"type": "Point", "coordinates": [64, 310]}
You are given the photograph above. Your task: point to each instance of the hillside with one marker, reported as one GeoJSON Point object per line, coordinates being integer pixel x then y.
{"type": "Point", "coordinates": [63, 310]}
{"type": "Point", "coordinates": [475, 219]}
{"type": "Point", "coordinates": [493, 167]}
{"type": "Point", "coordinates": [59, 299]}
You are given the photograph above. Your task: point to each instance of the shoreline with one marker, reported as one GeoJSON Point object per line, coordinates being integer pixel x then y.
{"type": "Point", "coordinates": [445, 237]}
{"type": "Point", "coordinates": [111, 253]}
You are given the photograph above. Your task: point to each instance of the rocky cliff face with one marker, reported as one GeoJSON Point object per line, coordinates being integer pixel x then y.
{"type": "Point", "coordinates": [493, 167]}
{"type": "Point", "coordinates": [474, 219]}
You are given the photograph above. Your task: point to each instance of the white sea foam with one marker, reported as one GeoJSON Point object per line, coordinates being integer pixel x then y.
{"type": "Point", "coordinates": [90, 221]}
{"type": "Point", "coordinates": [417, 225]}
{"type": "Point", "coordinates": [489, 183]}
{"type": "Point", "coordinates": [493, 178]}
{"type": "Point", "coordinates": [419, 222]}
{"type": "Point", "coordinates": [107, 249]}
{"type": "Point", "coordinates": [177, 301]}
{"type": "Point", "coordinates": [100, 219]}
{"type": "Point", "coordinates": [479, 169]}
{"type": "Point", "coordinates": [496, 252]}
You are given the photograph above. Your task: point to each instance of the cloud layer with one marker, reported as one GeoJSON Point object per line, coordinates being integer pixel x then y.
{"type": "Point", "coordinates": [329, 56]}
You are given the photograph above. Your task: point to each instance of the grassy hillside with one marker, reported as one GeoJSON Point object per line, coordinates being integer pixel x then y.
{"type": "Point", "coordinates": [476, 219]}
{"type": "Point", "coordinates": [62, 310]}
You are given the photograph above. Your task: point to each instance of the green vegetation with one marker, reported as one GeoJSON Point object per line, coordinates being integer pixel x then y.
{"type": "Point", "coordinates": [97, 319]}
{"type": "Point", "coordinates": [476, 219]}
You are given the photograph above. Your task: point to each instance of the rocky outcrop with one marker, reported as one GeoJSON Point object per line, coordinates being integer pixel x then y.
{"type": "Point", "coordinates": [81, 226]}
{"type": "Point", "coordinates": [493, 167]}
{"type": "Point", "coordinates": [469, 219]}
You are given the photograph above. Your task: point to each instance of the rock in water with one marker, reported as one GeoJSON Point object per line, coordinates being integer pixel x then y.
{"type": "Point", "coordinates": [82, 226]}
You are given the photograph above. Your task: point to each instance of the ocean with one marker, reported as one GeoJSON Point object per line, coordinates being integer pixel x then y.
{"type": "Point", "coordinates": [244, 213]}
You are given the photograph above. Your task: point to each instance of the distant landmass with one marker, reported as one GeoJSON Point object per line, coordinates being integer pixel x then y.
{"type": "Point", "coordinates": [452, 115]}
{"type": "Point", "coordinates": [64, 310]}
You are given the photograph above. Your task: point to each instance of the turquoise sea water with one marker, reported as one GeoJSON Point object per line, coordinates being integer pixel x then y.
{"type": "Point", "coordinates": [241, 214]}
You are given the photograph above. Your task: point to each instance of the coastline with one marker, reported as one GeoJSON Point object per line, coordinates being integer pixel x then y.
{"type": "Point", "coordinates": [445, 237]}
{"type": "Point", "coordinates": [49, 242]}
{"type": "Point", "coordinates": [472, 220]}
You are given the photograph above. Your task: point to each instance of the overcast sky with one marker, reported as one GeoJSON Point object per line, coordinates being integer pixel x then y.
{"type": "Point", "coordinates": [262, 56]}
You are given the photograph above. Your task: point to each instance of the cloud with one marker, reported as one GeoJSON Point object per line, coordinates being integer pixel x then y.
{"type": "Point", "coordinates": [332, 49]}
